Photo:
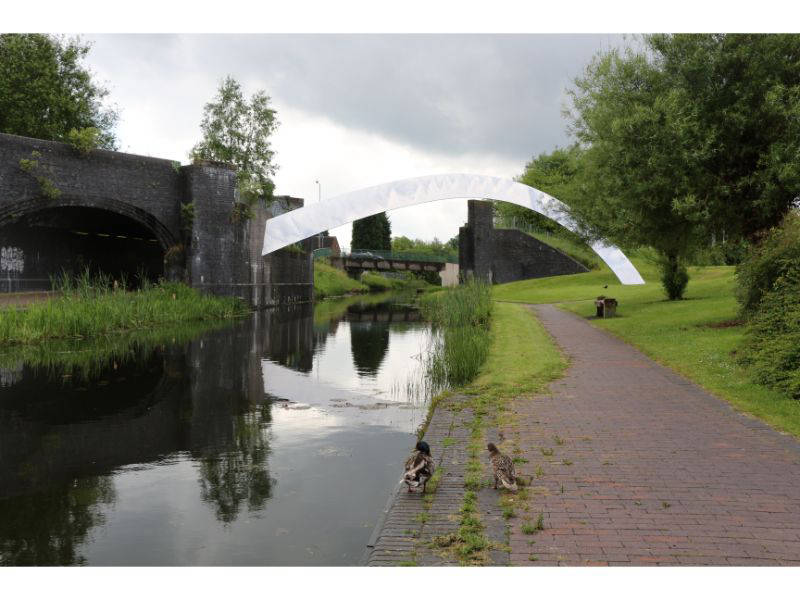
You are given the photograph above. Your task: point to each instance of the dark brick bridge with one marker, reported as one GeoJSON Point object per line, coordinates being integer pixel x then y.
{"type": "Point", "coordinates": [122, 214]}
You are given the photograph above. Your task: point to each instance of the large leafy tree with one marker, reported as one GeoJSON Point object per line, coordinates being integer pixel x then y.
{"type": "Point", "coordinates": [553, 173]}
{"type": "Point", "coordinates": [238, 132]}
{"type": "Point", "coordinates": [372, 233]}
{"type": "Point", "coordinates": [691, 134]}
{"type": "Point", "coordinates": [46, 92]}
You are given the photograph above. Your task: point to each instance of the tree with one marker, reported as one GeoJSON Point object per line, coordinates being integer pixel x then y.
{"type": "Point", "coordinates": [693, 133]}
{"type": "Point", "coordinates": [46, 93]}
{"type": "Point", "coordinates": [372, 233]}
{"type": "Point", "coordinates": [238, 132]}
{"type": "Point", "coordinates": [553, 173]}
{"type": "Point", "coordinates": [433, 248]}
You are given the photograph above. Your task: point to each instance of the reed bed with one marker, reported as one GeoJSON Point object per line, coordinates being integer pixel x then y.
{"type": "Point", "coordinates": [460, 342]}
{"type": "Point", "coordinates": [91, 306]}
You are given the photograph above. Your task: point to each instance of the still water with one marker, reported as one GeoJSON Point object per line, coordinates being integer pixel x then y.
{"type": "Point", "coordinates": [274, 441]}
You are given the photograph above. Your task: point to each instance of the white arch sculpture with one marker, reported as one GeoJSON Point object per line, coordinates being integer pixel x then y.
{"type": "Point", "coordinates": [297, 225]}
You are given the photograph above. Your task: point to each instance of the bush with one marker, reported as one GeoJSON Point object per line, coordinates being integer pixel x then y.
{"type": "Point", "coordinates": [84, 140]}
{"type": "Point", "coordinates": [767, 262]}
{"type": "Point", "coordinates": [674, 277]}
{"type": "Point", "coordinates": [772, 346]}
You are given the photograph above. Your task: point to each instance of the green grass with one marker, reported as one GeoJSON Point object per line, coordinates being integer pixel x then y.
{"type": "Point", "coordinates": [529, 529]}
{"type": "Point", "coordinates": [679, 334]}
{"type": "Point", "coordinates": [92, 309]}
{"type": "Point", "coordinates": [330, 281]}
{"type": "Point", "coordinates": [522, 356]}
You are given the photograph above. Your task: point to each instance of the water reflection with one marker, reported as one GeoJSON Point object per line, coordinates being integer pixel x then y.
{"type": "Point", "coordinates": [49, 526]}
{"type": "Point", "coordinates": [273, 441]}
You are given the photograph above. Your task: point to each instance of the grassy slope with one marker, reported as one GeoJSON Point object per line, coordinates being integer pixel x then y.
{"type": "Point", "coordinates": [329, 281]}
{"type": "Point", "coordinates": [673, 333]}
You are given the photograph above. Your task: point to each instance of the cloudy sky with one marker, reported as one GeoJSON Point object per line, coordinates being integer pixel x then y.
{"type": "Point", "coordinates": [357, 110]}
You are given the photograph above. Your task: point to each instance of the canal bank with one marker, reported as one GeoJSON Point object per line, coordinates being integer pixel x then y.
{"type": "Point", "coordinates": [462, 520]}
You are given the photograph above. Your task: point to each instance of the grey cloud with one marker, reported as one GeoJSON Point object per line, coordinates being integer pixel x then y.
{"type": "Point", "coordinates": [484, 94]}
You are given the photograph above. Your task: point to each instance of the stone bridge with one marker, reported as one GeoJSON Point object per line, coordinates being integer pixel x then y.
{"type": "Point", "coordinates": [136, 216]}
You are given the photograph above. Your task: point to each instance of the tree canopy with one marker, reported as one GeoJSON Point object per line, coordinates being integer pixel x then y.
{"type": "Point", "coordinates": [238, 132]}
{"type": "Point", "coordinates": [372, 233]}
{"type": "Point", "coordinates": [688, 135]}
{"type": "Point", "coordinates": [432, 248]}
{"type": "Point", "coordinates": [553, 173]}
{"type": "Point", "coordinates": [46, 93]}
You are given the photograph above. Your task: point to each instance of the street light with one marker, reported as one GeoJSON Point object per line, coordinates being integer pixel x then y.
{"type": "Point", "coordinates": [319, 199]}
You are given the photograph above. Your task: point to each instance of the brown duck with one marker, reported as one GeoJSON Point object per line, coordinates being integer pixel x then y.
{"type": "Point", "coordinates": [419, 467]}
{"type": "Point", "coordinates": [503, 468]}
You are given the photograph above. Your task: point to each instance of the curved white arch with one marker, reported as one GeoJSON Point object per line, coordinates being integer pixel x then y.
{"type": "Point", "coordinates": [297, 225]}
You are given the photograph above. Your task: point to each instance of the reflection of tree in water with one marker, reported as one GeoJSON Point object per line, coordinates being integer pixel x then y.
{"type": "Point", "coordinates": [239, 473]}
{"type": "Point", "coordinates": [47, 528]}
{"type": "Point", "coordinates": [369, 343]}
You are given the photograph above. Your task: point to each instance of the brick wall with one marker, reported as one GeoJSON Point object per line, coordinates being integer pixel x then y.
{"type": "Point", "coordinates": [221, 255]}
{"type": "Point", "coordinates": [503, 255]}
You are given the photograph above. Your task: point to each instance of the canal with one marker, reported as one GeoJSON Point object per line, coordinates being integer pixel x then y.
{"type": "Point", "coordinates": [276, 440]}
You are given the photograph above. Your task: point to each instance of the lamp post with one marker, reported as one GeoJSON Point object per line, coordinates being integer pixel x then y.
{"type": "Point", "coordinates": [319, 199]}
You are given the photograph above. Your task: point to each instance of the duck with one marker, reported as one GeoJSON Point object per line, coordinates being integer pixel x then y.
{"type": "Point", "coordinates": [503, 468]}
{"type": "Point", "coordinates": [419, 467]}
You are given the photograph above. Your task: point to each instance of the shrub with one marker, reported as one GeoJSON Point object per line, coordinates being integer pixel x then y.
{"type": "Point", "coordinates": [674, 277]}
{"type": "Point", "coordinates": [767, 262]}
{"type": "Point", "coordinates": [772, 346]}
{"type": "Point", "coordinates": [84, 140]}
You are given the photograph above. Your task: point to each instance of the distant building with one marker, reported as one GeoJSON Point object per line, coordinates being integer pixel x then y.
{"type": "Point", "coordinates": [324, 240]}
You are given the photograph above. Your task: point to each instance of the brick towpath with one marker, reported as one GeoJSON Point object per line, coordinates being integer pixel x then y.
{"type": "Point", "coordinates": [654, 469]}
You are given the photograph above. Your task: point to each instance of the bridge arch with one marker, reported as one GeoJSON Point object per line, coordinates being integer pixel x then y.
{"type": "Point", "coordinates": [304, 222]}
{"type": "Point", "coordinates": [42, 236]}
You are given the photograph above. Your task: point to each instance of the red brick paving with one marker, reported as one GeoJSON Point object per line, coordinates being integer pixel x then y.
{"type": "Point", "coordinates": [661, 471]}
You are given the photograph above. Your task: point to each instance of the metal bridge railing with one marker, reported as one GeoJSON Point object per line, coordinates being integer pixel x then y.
{"type": "Point", "coordinates": [410, 256]}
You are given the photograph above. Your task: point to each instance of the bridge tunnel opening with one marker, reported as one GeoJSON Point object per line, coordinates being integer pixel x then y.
{"type": "Point", "coordinates": [41, 245]}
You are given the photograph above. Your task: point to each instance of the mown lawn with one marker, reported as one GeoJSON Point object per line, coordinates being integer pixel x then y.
{"type": "Point", "coordinates": [698, 336]}
{"type": "Point", "coordinates": [522, 355]}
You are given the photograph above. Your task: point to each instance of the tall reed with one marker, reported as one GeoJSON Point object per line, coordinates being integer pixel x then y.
{"type": "Point", "coordinates": [90, 306]}
{"type": "Point", "coordinates": [460, 342]}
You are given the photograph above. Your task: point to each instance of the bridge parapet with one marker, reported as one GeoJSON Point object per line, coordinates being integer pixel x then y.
{"type": "Point", "coordinates": [61, 209]}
